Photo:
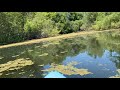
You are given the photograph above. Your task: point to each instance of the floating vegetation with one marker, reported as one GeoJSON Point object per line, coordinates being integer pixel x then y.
{"type": "Point", "coordinates": [30, 50]}
{"type": "Point", "coordinates": [7, 74]}
{"type": "Point", "coordinates": [63, 52]}
{"type": "Point", "coordinates": [68, 69]}
{"type": "Point", "coordinates": [16, 56]}
{"type": "Point", "coordinates": [44, 74]}
{"type": "Point", "coordinates": [117, 75]}
{"type": "Point", "coordinates": [41, 65]}
{"type": "Point", "coordinates": [37, 46]}
{"type": "Point", "coordinates": [45, 45]}
{"type": "Point", "coordinates": [118, 70]}
{"type": "Point", "coordinates": [56, 55]}
{"type": "Point", "coordinates": [15, 65]}
{"type": "Point", "coordinates": [27, 58]}
{"type": "Point", "coordinates": [13, 56]}
{"type": "Point", "coordinates": [0, 74]}
{"type": "Point", "coordinates": [1, 57]}
{"type": "Point", "coordinates": [55, 43]}
{"type": "Point", "coordinates": [100, 65]}
{"type": "Point", "coordinates": [37, 52]}
{"type": "Point", "coordinates": [21, 72]}
{"type": "Point", "coordinates": [22, 52]}
{"type": "Point", "coordinates": [72, 63]}
{"type": "Point", "coordinates": [31, 75]}
{"type": "Point", "coordinates": [106, 69]}
{"type": "Point", "coordinates": [90, 61]}
{"type": "Point", "coordinates": [45, 54]}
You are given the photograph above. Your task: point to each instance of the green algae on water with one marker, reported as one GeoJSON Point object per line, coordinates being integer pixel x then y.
{"type": "Point", "coordinates": [68, 69]}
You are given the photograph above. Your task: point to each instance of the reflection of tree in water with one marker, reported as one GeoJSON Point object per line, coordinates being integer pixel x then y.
{"type": "Point", "coordinates": [94, 47]}
{"type": "Point", "coordinates": [111, 41]}
{"type": "Point", "coordinates": [56, 53]}
{"type": "Point", "coordinates": [116, 60]}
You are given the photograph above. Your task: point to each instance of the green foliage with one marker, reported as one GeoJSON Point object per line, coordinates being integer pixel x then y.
{"type": "Point", "coordinates": [21, 26]}
{"type": "Point", "coordinates": [11, 27]}
{"type": "Point", "coordinates": [111, 20]}
{"type": "Point", "coordinates": [75, 25]}
{"type": "Point", "coordinates": [68, 22]}
{"type": "Point", "coordinates": [40, 26]}
{"type": "Point", "coordinates": [88, 19]}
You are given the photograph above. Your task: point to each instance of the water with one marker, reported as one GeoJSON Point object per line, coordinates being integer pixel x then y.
{"type": "Point", "coordinates": [87, 56]}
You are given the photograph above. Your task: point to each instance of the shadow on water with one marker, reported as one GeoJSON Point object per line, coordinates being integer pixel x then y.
{"type": "Point", "coordinates": [98, 54]}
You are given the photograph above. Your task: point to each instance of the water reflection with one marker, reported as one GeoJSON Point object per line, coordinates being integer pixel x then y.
{"type": "Point", "coordinates": [99, 54]}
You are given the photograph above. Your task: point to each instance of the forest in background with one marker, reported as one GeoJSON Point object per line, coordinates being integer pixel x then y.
{"type": "Point", "coordinates": [21, 26]}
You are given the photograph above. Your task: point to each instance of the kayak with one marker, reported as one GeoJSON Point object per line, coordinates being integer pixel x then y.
{"type": "Point", "coordinates": [54, 74]}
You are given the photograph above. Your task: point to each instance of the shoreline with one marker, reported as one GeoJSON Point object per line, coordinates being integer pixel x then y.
{"type": "Point", "coordinates": [64, 36]}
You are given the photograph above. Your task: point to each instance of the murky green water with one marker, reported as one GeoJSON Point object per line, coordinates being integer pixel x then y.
{"type": "Point", "coordinates": [87, 56]}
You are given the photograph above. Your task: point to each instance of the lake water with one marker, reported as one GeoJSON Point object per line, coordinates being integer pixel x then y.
{"type": "Point", "coordinates": [87, 56]}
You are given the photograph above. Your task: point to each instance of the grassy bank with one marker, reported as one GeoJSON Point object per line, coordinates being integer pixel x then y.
{"type": "Point", "coordinates": [54, 38]}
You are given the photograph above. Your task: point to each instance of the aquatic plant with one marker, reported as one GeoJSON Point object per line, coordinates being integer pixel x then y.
{"type": "Point", "coordinates": [15, 65]}
{"type": "Point", "coordinates": [44, 54]}
{"type": "Point", "coordinates": [117, 75]}
{"type": "Point", "coordinates": [68, 69]}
